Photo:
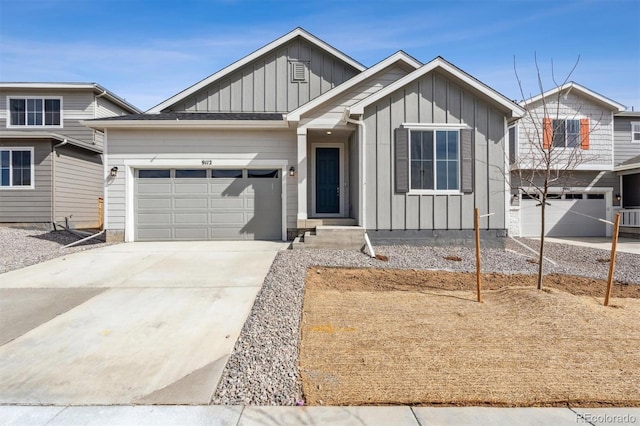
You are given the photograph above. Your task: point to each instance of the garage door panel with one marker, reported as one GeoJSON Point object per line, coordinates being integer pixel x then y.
{"type": "Point", "coordinates": [204, 209]}
{"type": "Point", "coordinates": [155, 218]}
{"type": "Point", "coordinates": [155, 187]}
{"type": "Point", "coordinates": [151, 234]}
{"type": "Point", "coordinates": [190, 218]}
{"type": "Point", "coordinates": [154, 203]}
{"type": "Point", "coordinates": [190, 188]}
{"type": "Point", "coordinates": [227, 203]}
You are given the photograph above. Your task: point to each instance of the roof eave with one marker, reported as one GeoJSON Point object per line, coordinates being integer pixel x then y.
{"type": "Point", "coordinates": [185, 124]}
{"type": "Point", "coordinates": [48, 135]}
{"type": "Point", "coordinates": [571, 86]}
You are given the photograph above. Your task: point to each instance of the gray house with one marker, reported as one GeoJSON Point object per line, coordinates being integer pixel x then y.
{"type": "Point", "coordinates": [627, 168]}
{"type": "Point", "coordinates": [587, 135]}
{"type": "Point", "coordinates": [51, 168]}
{"type": "Point", "coordinates": [297, 137]}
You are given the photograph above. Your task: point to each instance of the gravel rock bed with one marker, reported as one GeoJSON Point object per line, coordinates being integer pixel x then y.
{"type": "Point", "coordinates": [263, 368]}
{"type": "Point", "coordinates": [24, 247]}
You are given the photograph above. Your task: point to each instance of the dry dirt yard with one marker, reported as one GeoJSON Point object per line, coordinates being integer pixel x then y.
{"type": "Point", "coordinates": [388, 336]}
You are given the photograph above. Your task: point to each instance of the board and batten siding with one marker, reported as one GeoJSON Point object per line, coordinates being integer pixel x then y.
{"type": "Point", "coordinates": [78, 184]}
{"type": "Point", "coordinates": [177, 145]}
{"type": "Point", "coordinates": [434, 99]}
{"type": "Point", "coordinates": [624, 149]}
{"type": "Point", "coordinates": [265, 84]}
{"type": "Point", "coordinates": [30, 205]}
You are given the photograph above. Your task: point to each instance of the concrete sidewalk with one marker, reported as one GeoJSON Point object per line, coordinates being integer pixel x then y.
{"type": "Point", "coordinates": [294, 416]}
{"type": "Point", "coordinates": [625, 245]}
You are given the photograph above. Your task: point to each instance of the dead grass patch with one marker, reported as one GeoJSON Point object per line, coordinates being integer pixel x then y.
{"type": "Point", "coordinates": [375, 336]}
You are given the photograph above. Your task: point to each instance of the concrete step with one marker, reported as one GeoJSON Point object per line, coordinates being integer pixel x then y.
{"type": "Point", "coordinates": [332, 237]}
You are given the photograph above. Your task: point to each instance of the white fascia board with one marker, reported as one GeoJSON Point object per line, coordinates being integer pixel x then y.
{"type": "Point", "coordinates": [186, 124]}
{"type": "Point", "coordinates": [359, 78]}
{"type": "Point", "coordinates": [439, 63]}
{"type": "Point", "coordinates": [47, 135]}
{"type": "Point", "coordinates": [627, 167]}
{"type": "Point", "coordinates": [298, 32]}
{"type": "Point", "coordinates": [573, 86]}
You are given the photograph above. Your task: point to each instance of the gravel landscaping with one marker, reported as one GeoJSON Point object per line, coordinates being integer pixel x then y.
{"type": "Point", "coordinates": [263, 368]}
{"type": "Point", "coordinates": [24, 247]}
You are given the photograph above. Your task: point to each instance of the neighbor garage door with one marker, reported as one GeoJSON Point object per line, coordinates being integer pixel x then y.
{"type": "Point", "coordinates": [181, 204]}
{"type": "Point", "coordinates": [568, 215]}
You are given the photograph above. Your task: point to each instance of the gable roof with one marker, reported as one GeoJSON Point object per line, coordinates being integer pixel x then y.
{"type": "Point", "coordinates": [298, 32]}
{"type": "Point", "coordinates": [572, 86]}
{"type": "Point", "coordinates": [98, 89]}
{"type": "Point", "coordinates": [441, 64]}
{"type": "Point", "coordinates": [399, 56]}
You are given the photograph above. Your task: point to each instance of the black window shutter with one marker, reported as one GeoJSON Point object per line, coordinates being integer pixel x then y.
{"type": "Point", "coordinates": [466, 163]}
{"type": "Point", "coordinates": [401, 137]}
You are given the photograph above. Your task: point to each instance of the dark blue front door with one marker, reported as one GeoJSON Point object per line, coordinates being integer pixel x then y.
{"type": "Point", "coordinates": [327, 180]}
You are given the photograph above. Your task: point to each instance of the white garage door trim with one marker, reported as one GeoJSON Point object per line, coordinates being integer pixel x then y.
{"type": "Point", "coordinates": [203, 162]}
{"type": "Point", "coordinates": [608, 200]}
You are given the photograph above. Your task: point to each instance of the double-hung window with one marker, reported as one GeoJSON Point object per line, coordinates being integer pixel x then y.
{"type": "Point", "coordinates": [35, 112]}
{"type": "Point", "coordinates": [435, 160]}
{"type": "Point", "coordinates": [16, 168]}
{"type": "Point", "coordinates": [635, 131]}
{"type": "Point", "coordinates": [566, 133]}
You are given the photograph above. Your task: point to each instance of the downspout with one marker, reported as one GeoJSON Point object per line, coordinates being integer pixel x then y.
{"type": "Point", "coordinates": [363, 173]}
{"type": "Point", "coordinates": [53, 181]}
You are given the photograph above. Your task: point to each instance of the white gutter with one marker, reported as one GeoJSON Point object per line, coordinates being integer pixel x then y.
{"type": "Point", "coordinates": [186, 124]}
{"type": "Point", "coordinates": [362, 153]}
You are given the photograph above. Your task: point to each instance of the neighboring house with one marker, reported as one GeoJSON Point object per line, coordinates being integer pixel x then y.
{"type": "Point", "coordinates": [297, 135]}
{"type": "Point", "coordinates": [577, 124]}
{"type": "Point", "coordinates": [51, 167]}
{"type": "Point", "coordinates": [627, 168]}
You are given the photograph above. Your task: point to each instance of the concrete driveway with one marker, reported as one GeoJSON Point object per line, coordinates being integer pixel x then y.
{"type": "Point", "coordinates": [625, 245]}
{"type": "Point", "coordinates": [137, 323]}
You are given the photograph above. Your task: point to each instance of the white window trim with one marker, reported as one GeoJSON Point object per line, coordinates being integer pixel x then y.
{"type": "Point", "coordinates": [422, 127]}
{"type": "Point", "coordinates": [636, 123]}
{"type": "Point", "coordinates": [11, 187]}
{"type": "Point", "coordinates": [34, 126]}
{"type": "Point", "coordinates": [575, 118]}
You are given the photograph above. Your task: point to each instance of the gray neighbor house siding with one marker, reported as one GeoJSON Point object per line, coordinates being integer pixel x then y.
{"type": "Point", "coordinates": [402, 216]}
{"type": "Point", "coordinates": [265, 84]}
{"type": "Point", "coordinates": [68, 176]}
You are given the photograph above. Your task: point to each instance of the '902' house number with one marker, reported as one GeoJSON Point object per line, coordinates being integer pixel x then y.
{"type": "Point", "coordinates": [207, 162]}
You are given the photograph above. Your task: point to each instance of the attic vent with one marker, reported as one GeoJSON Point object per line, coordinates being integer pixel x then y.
{"type": "Point", "coordinates": [298, 72]}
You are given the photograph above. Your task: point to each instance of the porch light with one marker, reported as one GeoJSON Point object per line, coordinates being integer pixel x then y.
{"type": "Point", "coordinates": [328, 132]}
{"type": "Point", "coordinates": [114, 172]}
{"type": "Point", "coordinates": [292, 171]}
{"type": "Point", "coordinates": [618, 197]}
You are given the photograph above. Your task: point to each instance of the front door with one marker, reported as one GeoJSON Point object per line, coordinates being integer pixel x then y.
{"type": "Point", "coordinates": [328, 180]}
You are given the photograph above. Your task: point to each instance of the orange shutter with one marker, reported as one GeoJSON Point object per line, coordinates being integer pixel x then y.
{"type": "Point", "coordinates": [584, 133]}
{"type": "Point", "coordinates": [547, 133]}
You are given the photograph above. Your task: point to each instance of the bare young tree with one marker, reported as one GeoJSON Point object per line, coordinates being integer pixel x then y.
{"type": "Point", "coordinates": [551, 150]}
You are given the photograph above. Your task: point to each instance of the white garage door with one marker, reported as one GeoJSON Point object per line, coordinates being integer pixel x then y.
{"type": "Point", "coordinates": [566, 216]}
{"type": "Point", "coordinates": [200, 204]}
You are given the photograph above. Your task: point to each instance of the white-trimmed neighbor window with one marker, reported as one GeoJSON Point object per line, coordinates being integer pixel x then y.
{"type": "Point", "coordinates": [435, 160]}
{"type": "Point", "coordinates": [16, 168]}
{"type": "Point", "coordinates": [38, 112]}
{"type": "Point", "coordinates": [635, 131]}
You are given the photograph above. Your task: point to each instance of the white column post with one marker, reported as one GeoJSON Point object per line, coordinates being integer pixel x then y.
{"type": "Point", "coordinates": [302, 173]}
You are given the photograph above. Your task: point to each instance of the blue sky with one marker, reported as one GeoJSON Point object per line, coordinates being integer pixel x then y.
{"type": "Point", "coordinates": [146, 51]}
